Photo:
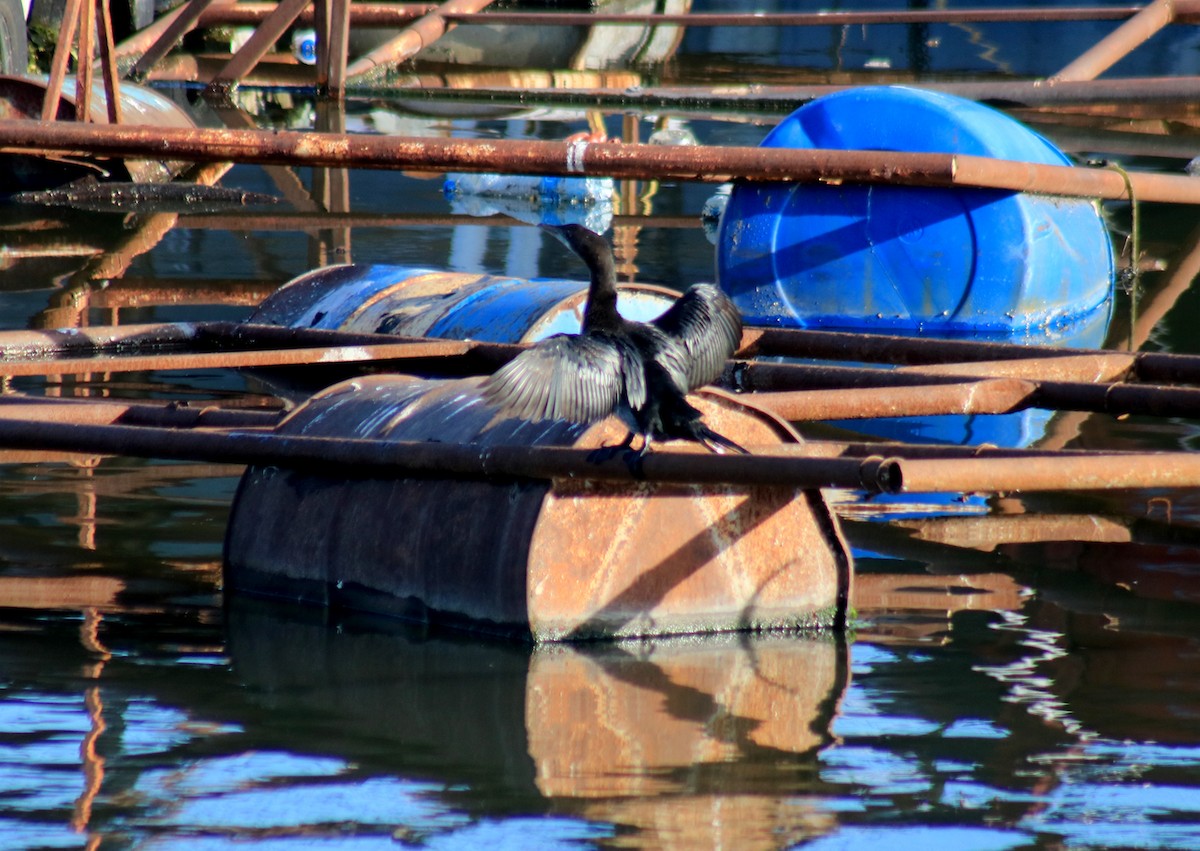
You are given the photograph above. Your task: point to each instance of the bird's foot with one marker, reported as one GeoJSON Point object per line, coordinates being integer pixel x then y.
{"type": "Point", "coordinates": [634, 460]}
{"type": "Point", "coordinates": [606, 453]}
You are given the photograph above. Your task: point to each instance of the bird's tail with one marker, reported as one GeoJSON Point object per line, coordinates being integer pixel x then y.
{"type": "Point", "coordinates": [718, 443]}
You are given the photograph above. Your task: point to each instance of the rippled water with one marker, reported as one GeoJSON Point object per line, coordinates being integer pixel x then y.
{"type": "Point", "coordinates": [1023, 672]}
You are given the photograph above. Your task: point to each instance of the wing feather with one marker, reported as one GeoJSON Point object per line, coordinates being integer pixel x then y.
{"type": "Point", "coordinates": [709, 326]}
{"type": "Point", "coordinates": [565, 377]}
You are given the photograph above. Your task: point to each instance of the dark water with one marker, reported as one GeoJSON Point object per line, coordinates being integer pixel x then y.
{"type": "Point", "coordinates": [1024, 672]}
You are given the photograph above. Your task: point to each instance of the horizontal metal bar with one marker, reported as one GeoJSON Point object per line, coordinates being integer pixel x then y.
{"type": "Point", "coordinates": [235, 360]}
{"type": "Point", "coordinates": [91, 411]}
{"type": "Point", "coordinates": [357, 457]}
{"type": "Point", "coordinates": [889, 349]}
{"type": "Point", "coordinates": [361, 14]}
{"type": "Point", "coordinates": [1134, 94]}
{"type": "Point", "coordinates": [709, 164]}
{"type": "Point", "coordinates": [392, 15]}
{"type": "Point", "coordinates": [1097, 471]}
{"type": "Point", "coordinates": [801, 19]}
{"type": "Point", "coordinates": [376, 458]}
{"type": "Point", "coordinates": [993, 396]}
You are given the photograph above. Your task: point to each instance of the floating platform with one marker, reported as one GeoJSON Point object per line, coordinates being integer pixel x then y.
{"type": "Point", "coordinates": [541, 559]}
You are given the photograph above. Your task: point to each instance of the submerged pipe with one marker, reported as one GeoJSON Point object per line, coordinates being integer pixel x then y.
{"type": "Point", "coordinates": [709, 164]}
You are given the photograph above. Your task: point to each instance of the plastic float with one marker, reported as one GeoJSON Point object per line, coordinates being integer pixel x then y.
{"type": "Point", "coordinates": [897, 259]}
{"type": "Point", "coordinates": [418, 302]}
{"type": "Point", "coordinates": [988, 264]}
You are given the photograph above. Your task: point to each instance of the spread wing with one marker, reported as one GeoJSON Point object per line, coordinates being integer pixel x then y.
{"type": "Point", "coordinates": [708, 325]}
{"type": "Point", "coordinates": [579, 378]}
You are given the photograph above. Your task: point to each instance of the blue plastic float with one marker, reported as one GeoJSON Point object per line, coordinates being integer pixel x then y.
{"type": "Point", "coordinates": [421, 302]}
{"type": "Point", "coordinates": [898, 259]}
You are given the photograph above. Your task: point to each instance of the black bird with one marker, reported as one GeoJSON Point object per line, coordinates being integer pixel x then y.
{"type": "Point", "coordinates": [641, 371]}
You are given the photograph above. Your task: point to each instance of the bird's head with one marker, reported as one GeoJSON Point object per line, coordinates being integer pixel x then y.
{"type": "Point", "coordinates": [579, 239]}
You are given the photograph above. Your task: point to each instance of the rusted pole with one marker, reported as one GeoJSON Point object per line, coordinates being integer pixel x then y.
{"type": "Point", "coordinates": [829, 393]}
{"type": "Point", "coordinates": [86, 54]}
{"type": "Point", "coordinates": [337, 50]}
{"type": "Point", "coordinates": [260, 221]}
{"type": "Point", "coordinates": [1096, 471]}
{"type": "Point", "coordinates": [992, 396]}
{"type": "Point", "coordinates": [639, 161]}
{"type": "Point", "coordinates": [235, 360]}
{"type": "Point", "coordinates": [62, 55]}
{"type": "Point", "coordinates": [356, 456]}
{"type": "Point", "coordinates": [349, 456]}
{"type": "Point", "coordinates": [388, 15]}
{"type": "Point", "coordinates": [107, 412]}
{"type": "Point", "coordinates": [754, 98]}
{"type": "Point", "coordinates": [108, 64]}
{"type": "Point", "coordinates": [361, 14]}
{"type": "Point", "coordinates": [263, 39]}
{"type": "Point", "coordinates": [131, 291]}
{"type": "Point", "coordinates": [1091, 368]}
{"type": "Point", "coordinates": [166, 32]}
{"type": "Point", "coordinates": [801, 19]}
{"type": "Point", "coordinates": [888, 349]}
{"type": "Point", "coordinates": [1131, 34]}
{"type": "Point", "coordinates": [419, 35]}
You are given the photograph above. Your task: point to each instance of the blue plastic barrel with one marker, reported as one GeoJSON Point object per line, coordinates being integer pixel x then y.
{"type": "Point", "coordinates": [417, 302]}
{"type": "Point", "coordinates": [900, 259]}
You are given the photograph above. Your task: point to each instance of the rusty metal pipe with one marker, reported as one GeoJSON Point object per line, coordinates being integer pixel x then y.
{"type": "Point", "coordinates": [1091, 368]}
{"type": "Point", "coordinates": [376, 458]}
{"type": "Point", "coordinates": [361, 14]}
{"type": "Point", "coordinates": [747, 98]}
{"type": "Point", "coordinates": [699, 163]}
{"type": "Point", "coordinates": [388, 15]}
{"type": "Point", "coordinates": [894, 449]}
{"type": "Point", "coordinates": [1130, 35]}
{"type": "Point", "coordinates": [236, 360]}
{"type": "Point", "coordinates": [156, 40]}
{"type": "Point", "coordinates": [253, 220]}
{"type": "Point", "coordinates": [259, 43]}
{"type": "Point", "coordinates": [993, 396]}
{"type": "Point", "coordinates": [87, 411]}
{"type": "Point", "coordinates": [1097, 471]}
{"type": "Point", "coordinates": [881, 348]}
{"type": "Point", "coordinates": [381, 458]}
{"type": "Point", "coordinates": [871, 393]}
{"type": "Point", "coordinates": [762, 378]}
{"type": "Point", "coordinates": [411, 41]}
{"type": "Point", "coordinates": [801, 19]}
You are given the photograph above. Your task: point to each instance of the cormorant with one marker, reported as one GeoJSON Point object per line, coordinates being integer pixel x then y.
{"type": "Point", "coordinates": [641, 371]}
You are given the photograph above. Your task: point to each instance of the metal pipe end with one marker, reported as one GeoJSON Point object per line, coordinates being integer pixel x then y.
{"type": "Point", "coordinates": [881, 475]}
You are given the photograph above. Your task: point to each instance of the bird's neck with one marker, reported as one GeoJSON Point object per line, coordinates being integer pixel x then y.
{"type": "Point", "coordinates": [601, 311]}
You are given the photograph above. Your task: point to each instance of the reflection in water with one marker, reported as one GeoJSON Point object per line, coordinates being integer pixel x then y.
{"type": "Point", "coordinates": [678, 739]}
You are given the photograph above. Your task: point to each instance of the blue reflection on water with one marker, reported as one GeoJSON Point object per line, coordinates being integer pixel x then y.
{"type": "Point", "coordinates": [959, 838]}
